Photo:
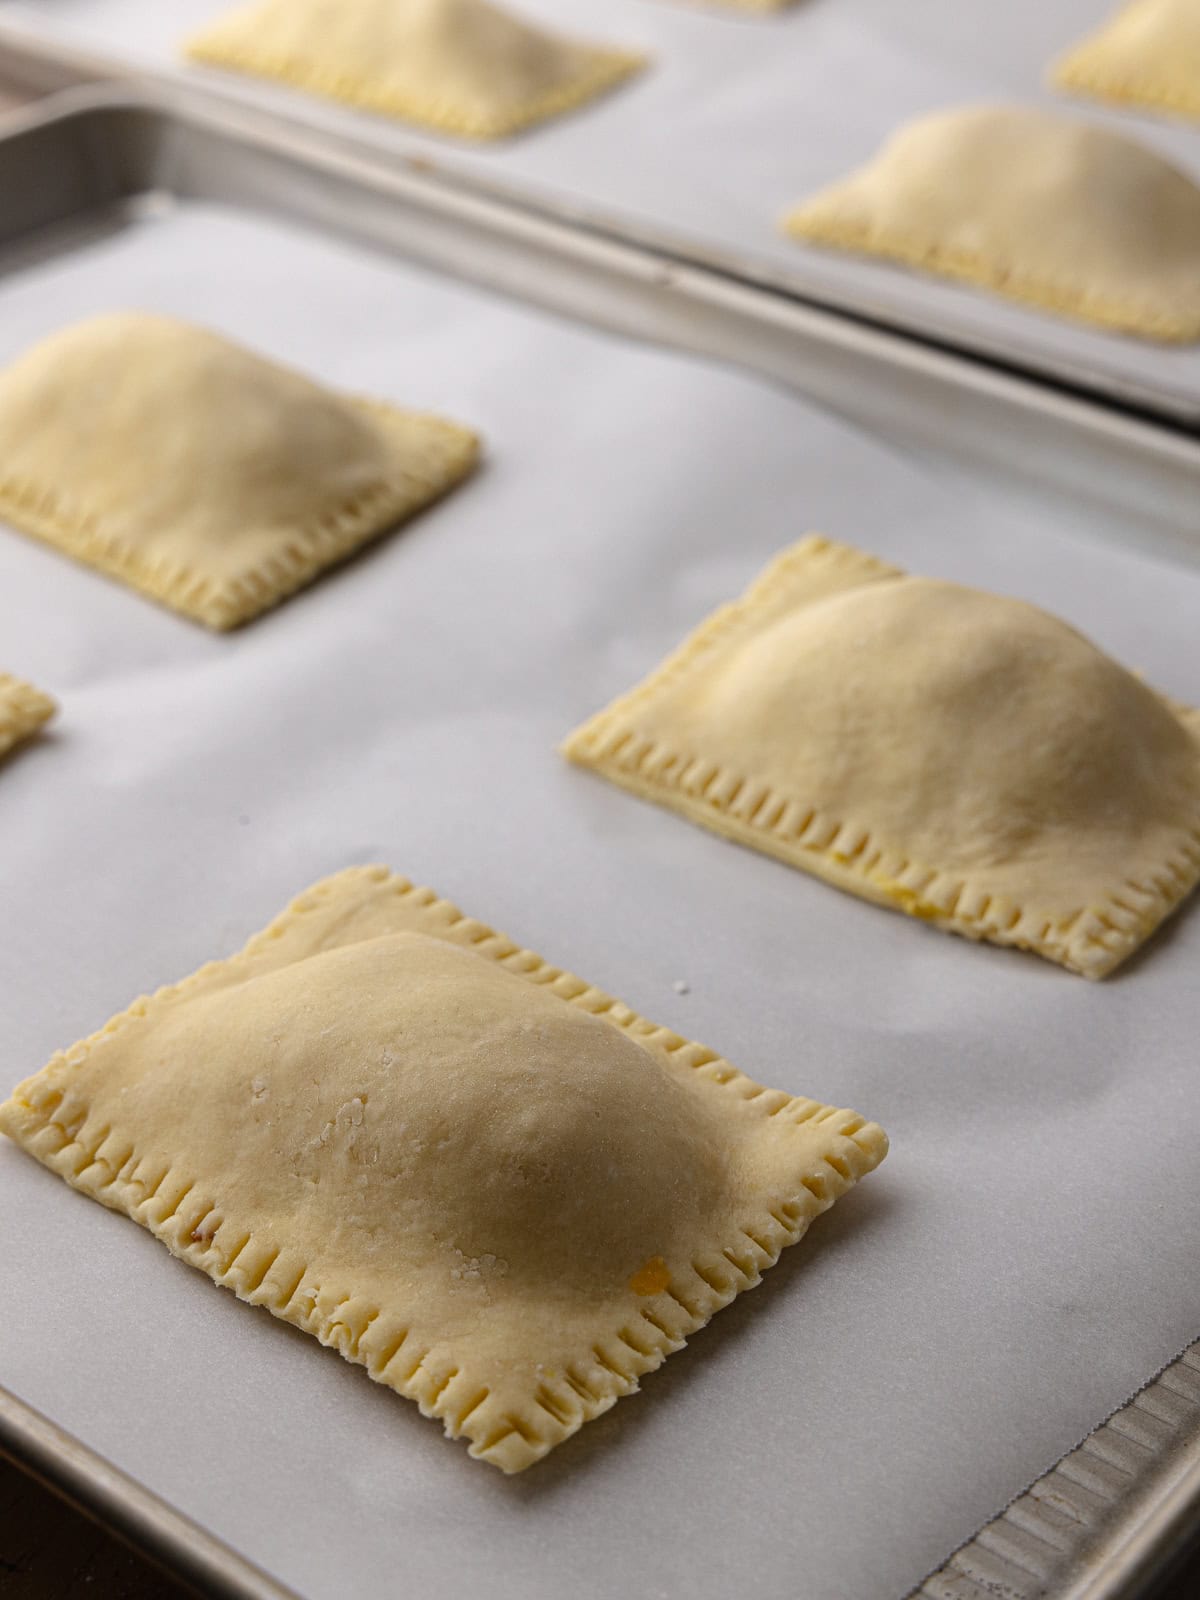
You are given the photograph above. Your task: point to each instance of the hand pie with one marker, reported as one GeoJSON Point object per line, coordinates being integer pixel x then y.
{"type": "Point", "coordinates": [460, 66]}
{"type": "Point", "coordinates": [200, 473]}
{"type": "Point", "coordinates": [1148, 55]}
{"type": "Point", "coordinates": [965, 758]}
{"type": "Point", "coordinates": [23, 710]}
{"type": "Point", "coordinates": [1072, 218]}
{"type": "Point", "coordinates": [501, 1191]}
{"type": "Point", "coordinates": [753, 5]}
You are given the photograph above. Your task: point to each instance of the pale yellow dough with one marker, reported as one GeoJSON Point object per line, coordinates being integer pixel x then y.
{"type": "Point", "coordinates": [965, 758]}
{"type": "Point", "coordinates": [1147, 55]}
{"type": "Point", "coordinates": [501, 1191]}
{"type": "Point", "coordinates": [23, 710]}
{"type": "Point", "coordinates": [461, 66]}
{"type": "Point", "coordinates": [200, 473]}
{"type": "Point", "coordinates": [760, 6]}
{"type": "Point", "coordinates": [1041, 208]}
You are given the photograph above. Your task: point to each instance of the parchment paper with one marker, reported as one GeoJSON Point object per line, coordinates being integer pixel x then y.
{"type": "Point", "coordinates": [737, 119]}
{"type": "Point", "coordinates": [1024, 1258]}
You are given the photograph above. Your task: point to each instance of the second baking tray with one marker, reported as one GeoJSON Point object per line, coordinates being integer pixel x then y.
{"type": "Point", "coordinates": [736, 119]}
{"type": "Point", "coordinates": [1022, 1261]}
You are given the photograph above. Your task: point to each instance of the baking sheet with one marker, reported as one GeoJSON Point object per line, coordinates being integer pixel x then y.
{"type": "Point", "coordinates": [1023, 1259]}
{"type": "Point", "coordinates": [738, 118]}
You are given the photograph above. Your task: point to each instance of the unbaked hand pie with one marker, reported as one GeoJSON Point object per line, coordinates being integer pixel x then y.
{"type": "Point", "coordinates": [1073, 218]}
{"type": "Point", "coordinates": [962, 757]}
{"type": "Point", "coordinates": [23, 710]}
{"type": "Point", "coordinates": [751, 5]}
{"type": "Point", "coordinates": [1147, 55]}
{"type": "Point", "coordinates": [460, 66]}
{"type": "Point", "coordinates": [200, 473]}
{"type": "Point", "coordinates": [501, 1191]}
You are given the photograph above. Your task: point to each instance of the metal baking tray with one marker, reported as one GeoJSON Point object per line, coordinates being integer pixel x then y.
{"type": "Point", "coordinates": [737, 118]}
{"type": "Point", "coordinates": [919, 453]}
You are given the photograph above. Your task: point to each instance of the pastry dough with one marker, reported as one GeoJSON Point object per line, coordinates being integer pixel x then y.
{"type": "Point", "coordinates": [1075, 219]}
{"type": "Point", "coordinates": [501, 1191]}
{"type": "Point", "coordinates": [462, 66]}
{"type": "Point", "coordinates": [965, 758]}
{"type": "Point", "coordinates": [23, 710]}
{"type": "Point", "coordinates": [751, 5]}
{"type": "Point", "coordinates": [200, 473]}
{"type": "Point", "coordinates": [1148, 55]}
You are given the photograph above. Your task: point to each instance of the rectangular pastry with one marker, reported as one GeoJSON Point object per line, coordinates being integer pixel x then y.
{"type": "Point", "coordinates": [458, 66]}
{"type": "Point", "coordinates": [1107, 232]}
{"type": "Point", "coordinates": [23, 710]}
{"type": "Point", "coordinates": [210, 479]}
{"type": "Point", "coordinates": [957, 755]}
{"type": "Point", "coordinates": [500, 1190]}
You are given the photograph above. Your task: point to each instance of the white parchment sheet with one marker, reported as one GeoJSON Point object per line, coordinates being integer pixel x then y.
{"type": "Point", "coordinates": [737, 118]}
{"type": "Point", "coordinates": [1024, 1258]}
